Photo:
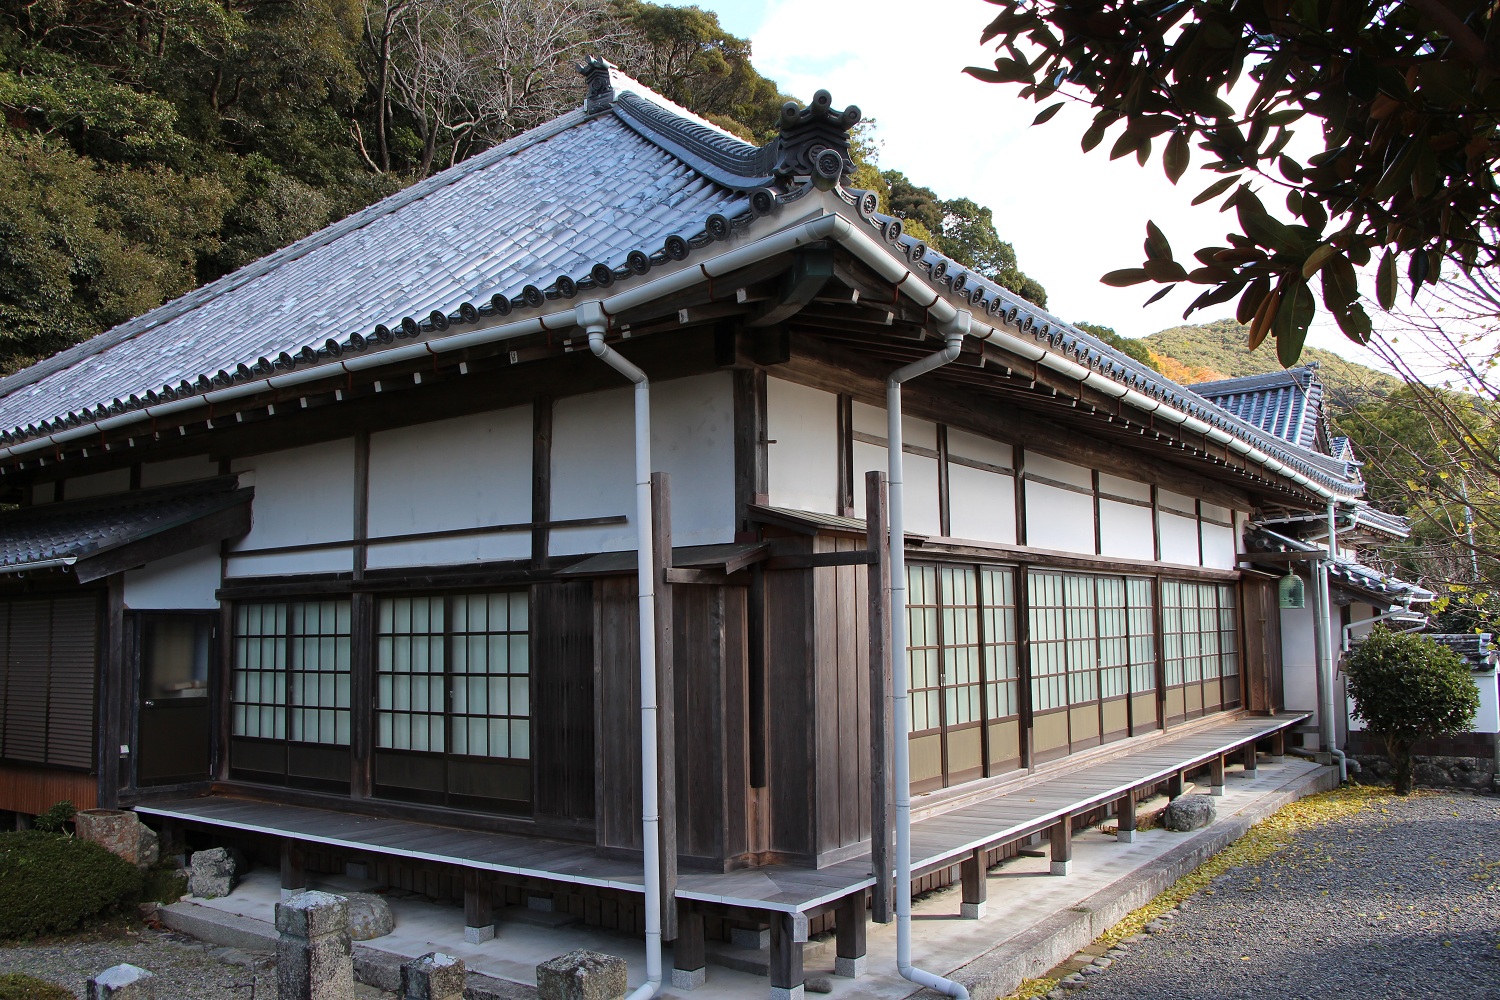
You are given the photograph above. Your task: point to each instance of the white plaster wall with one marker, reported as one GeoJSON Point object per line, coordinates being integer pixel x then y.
{"type": "Point", "coordinates": [178, 470]}
{"type": "Point", "coordinates": [802, 457]}
{"type": "Point", "coordinates": [593, 463]}
{"type": "Point", "coordinates": [1125, 530]}
{"type": "Point", "coordinates": [1127, 488]}
{"type": "Point", "coordinates": [962, 444]}
{"type": "Point", "coordinates": [1062, 472]}
{"type": "Point", "coordinates": [301, 495]}
{"type": "Point", "coordinates": [1179, 538]}
{"type": "Point", "coordinates": [1299, 678]}
{"type": "Point", "coordinates": [867, 458]}
{"type": "Point", "coordinates": [1219, 550]}
{"type": "Point", "coordinates": [920, 495]}
{"type": "Point", "coordinates": [461, 473]}
{"type": "Point", "coordinates": [1058, 519]}
{"type": "Point", "coordinates": [97, 485]}
{"type": "Point", "coordinates": [692, 440]}
{"type": "Point", "coordinates": [981, 504]}
{"type": "Point", "coordinates": [1487, 719]}
{"type": "Point", "coordinates": [184, 582]}
{"type": "Point", "coordinates": [593, 470]}
{"type": "Point", "coordinates": [1179, 502]}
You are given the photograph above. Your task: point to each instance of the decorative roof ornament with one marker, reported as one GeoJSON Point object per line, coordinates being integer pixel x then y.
{"type": "Point", "coordinates": [598, 74]}
{"type": "Point", "coordinates": [814, 140]}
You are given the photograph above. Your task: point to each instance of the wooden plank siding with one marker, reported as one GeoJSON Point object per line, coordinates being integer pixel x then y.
{"type": "Point", "coordinates": [563, 682]}
{"type": "Point", "coordinates": [842, 678]}
{"type": "Point", "coordinates": [34, 790]}
{"type": "Point", "coordinates": [791, 708]}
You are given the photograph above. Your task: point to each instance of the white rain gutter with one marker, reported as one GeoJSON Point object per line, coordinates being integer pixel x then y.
{"type": "Point", "coordinates": [953, 328]}
{"type": "Point", "coordinates": [825, 227]}
{"type": "Point", "coordinates": [590, 315]}
{"type": "Point", "coordinates": [1323, 639]}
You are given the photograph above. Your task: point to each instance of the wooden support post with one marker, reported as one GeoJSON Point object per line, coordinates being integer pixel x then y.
{"type": "Point", "coordinates": [666, 725]}
{"type": "Point", "coordinates": [1250, 761]}
{"type": "Point", "coordinates": [976, 888]}
{"type": "Point", "coordinates": [1176, 784]}
{"type": "Point", "coordinates": [1062, 846]}
{"type": "Point", "coordinates": [479, 908]}
{"type": "Point", "coordinates": [293, 869]}
{"type": "Point", "coordinates": [1216, 775]}
{"type": "Point", "coordinates": [1125, 815]}
{"type": "Point", "coordinates": [1278, 745]}
{"type": "Point", "coordinates": [882, 695]}
{"type": "Point", "coordinates": [689, 956]}
{"type": "Point", "coordinates": [788, 935]}
{"type": "Point", "coordinates": [849, 960]}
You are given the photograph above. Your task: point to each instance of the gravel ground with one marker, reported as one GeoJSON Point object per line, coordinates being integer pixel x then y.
{"type": "Point", "coordinates": [186, 968]}
{"type": "Point", "coordinates": [1401, 900]}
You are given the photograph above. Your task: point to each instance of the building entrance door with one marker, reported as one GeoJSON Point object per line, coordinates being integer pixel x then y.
{"type": "Point", "coordinates": [175, 652]}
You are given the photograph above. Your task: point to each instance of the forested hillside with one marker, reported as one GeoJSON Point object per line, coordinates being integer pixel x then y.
{"type": "Point", "coordinates": [150, 146]}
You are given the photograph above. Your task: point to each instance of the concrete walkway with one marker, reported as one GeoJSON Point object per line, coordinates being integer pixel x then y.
{"type": "Point", "coordinates": [1034, 920]}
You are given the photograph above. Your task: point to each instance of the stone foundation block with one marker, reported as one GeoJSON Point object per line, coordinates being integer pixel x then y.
{"type": "Point", "coordinates": [314, 954]}
{"type": "Point", "coordinates": [688, 979]}
{"type": "Point", "coordinates": [850, 968]}
{"type": "Point", "coordinates": [434, 976]}
{"type": "Point", "coordinates": [211, 873]}
{"type": "Point", "coordinates": [581, 975]}
{"type": "Point", "coordinates": [1189, 812]}
{"type": "Point", "coordinates": [122, 982]}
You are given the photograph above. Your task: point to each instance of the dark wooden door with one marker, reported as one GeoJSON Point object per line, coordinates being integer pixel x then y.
{"type": "Point", "coordinates": [175, 652]}
{"type": "Point", "coordinates": [1262, 666]}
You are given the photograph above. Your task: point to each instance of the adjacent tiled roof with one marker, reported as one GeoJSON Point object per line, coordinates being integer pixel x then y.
{"type": "Point", "coordinates": [1475, 648]}
{"type": "Point", "coordinates": [599, 195]}
{"type": "Point", "coordinates": [1347, 573]}
{"type": "Point", "coordinates": [1288, 404]}
{"type": "Point", "coordinates": [59, 535]}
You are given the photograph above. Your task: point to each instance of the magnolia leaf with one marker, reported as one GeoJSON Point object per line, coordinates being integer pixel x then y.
{"type": "Point", "coordinates": [1385, 281]}
{"type": "Point", "coordinates": [1255, 293]}
{"type": "Point", "coordinates": [1158, 295]}
{"type": "Point", "coordinates": [1157, 247]}
{"type": "Point", "coordinates": [1215, 189]}
{"type": "Point", "coordinates": [1340, 284]}
{"type": "Point", "coordinates": [1047, 113]}
{"type": "Point", "coordinates": [1125, 277]}
{"type": "Point", "coordinates": [1165, 270]}
{"type": "Point", "coordinates": [1177, 156]}
{"type": "Point", "coordinates": [1292, 320]}
{"type": "Point", "coordinates": [1317, 259]}
{"type": "Point", "coordinates": [1265, 315]}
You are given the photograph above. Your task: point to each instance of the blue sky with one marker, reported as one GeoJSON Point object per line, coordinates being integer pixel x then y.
{"type": "Point", "coordinates": [1071, 216]}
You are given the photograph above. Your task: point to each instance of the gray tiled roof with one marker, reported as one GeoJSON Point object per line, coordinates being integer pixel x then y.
{"type": "Point", "coordinates": [1346, 572]}
{"type": "Point", "coordinates": [609, 187]}
{"type": "Point", "coordinates": [1288, 404]}
{"type": "Point", "coordinates": [60, 534]}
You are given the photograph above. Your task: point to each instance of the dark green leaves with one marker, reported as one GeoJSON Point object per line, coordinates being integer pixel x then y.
{"type": "Point", "coordinates": [1215, 189]}
{"type": "Point", "coordinates": [1175, 160]}
{"type": "Point", "coordinates": [1385, 281]}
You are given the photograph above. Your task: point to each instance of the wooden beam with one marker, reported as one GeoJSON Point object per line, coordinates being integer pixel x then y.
{"type": "Point", "coordinates": [811, 269]}
{"type": "Point", "coordinates": [788, 935]}
{"type": "Point", "coordinates": [479, 907]}
{"type": "Point", "coordinates": [1125, 818]}
{"type": "Point", "coordinates": [541, 479]}
{"type": "Point", "coordinates": [1282, 557]}
{"type": "Point", "coordinates": [1062, 846]}
{"type": "Point", "coordinates": [666, 759]}
{"type": "Point", "coordinates": [1216, 775]}
{"type": "Point", "coordinates": [851, 949]}
{"type": "Point", "coordinates": [973, 873]}
{"type": "Point", "coordinates": [689, 954]}
{"type": "Point", "coordinates": [293, 868]}
{"type": "Point", "coordinates": [882, 695]}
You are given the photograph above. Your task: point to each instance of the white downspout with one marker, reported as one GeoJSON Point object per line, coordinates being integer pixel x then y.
{"type": "Point", "coordinates": [953, 333]}
{"type": "Point", "coordinates": [590, 316]}
{"type": "Point", "coordinates": [1323, 637]}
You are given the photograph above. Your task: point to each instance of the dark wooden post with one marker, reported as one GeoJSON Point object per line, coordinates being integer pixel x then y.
{"type": "Point", "coordinates": [1175, 784]}
{"type": "Point", "coordinates": [293, 868]}
{"type": "Point", "coordinates": [882, 696]}
{"type": "Point", "coordinates": [666, 726]}
{"type": "Point", "coordinates": [788, 935]}
{"type": "Point", "coordinates": [1216, 775]}
{"type": "Point", "coordinates": [849, 960]}
{"type": "Point", "coordinates": [1062, 846]}
{"type": "Point", "coordinates": [479, 908]}
{"type": "Point", "coordinates": [1250, 761]}
{"type": "Point", "coordinates": [1278, 745]}
{"type": "Point", "coordinates": [689, 957]}
{"type": "Point", "coordinates": [1125, 815]}
{"type": "Point", "coordinates": [976, 888]}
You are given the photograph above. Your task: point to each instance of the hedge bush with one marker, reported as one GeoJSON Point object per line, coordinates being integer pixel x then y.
{"type": "Point", "coordinates": [15, 986]}
{"type": "Point", "coordinates": [50, 882]}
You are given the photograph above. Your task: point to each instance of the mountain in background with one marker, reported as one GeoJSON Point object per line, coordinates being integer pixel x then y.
{"type": "Point", "coordinates": [1217, 349]}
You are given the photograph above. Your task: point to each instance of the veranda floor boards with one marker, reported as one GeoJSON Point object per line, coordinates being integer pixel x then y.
{"type": "Point", "coordinates": [937, 841]}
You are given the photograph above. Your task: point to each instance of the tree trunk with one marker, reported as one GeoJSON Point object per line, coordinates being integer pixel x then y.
{"type": "Point", "coordinates": [1399, 753]}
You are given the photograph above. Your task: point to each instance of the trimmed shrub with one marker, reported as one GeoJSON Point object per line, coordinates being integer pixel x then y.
{"type": "Point", "coordinates": [15, 986]}
{"type": "Point", "coordinates": [50, 883]}
{"type": "Point", "coordinates": [56, 819]}
{"type": "Point", "coordinates": [1407, 688]}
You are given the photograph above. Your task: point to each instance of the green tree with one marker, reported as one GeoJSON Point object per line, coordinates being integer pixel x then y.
{"type": "Point", "coordinates": [1128, 346]}
{"type": "Point", "coordinates": [1407, 688]}
{"type": "Point", "coordinates": [1405, 99]}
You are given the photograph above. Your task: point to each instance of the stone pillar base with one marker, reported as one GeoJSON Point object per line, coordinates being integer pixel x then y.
{"type": "Point", "coordinates": [850, 968]}
{"type": "Point", "coordinates": [1125, 836]}
{"type": "Point", "coordinates": [479, 935]}
{"type": "Point", "coordinates": [1061, 867]}
{"type": "Point", "coordinates": [783, 993]}
{"type": "Point", "coordinates": [688, 979]}
{"type": "Point", "coordinates": [971, 911]}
